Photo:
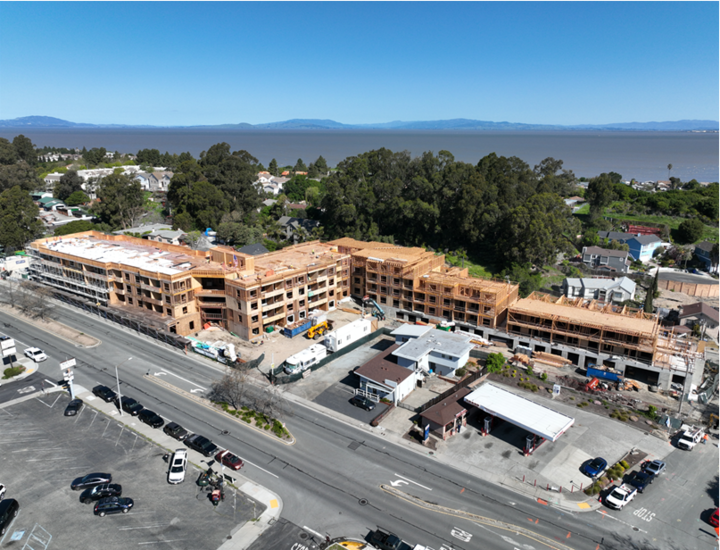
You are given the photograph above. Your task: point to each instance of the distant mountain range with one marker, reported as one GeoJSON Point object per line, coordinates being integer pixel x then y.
{"type": "Point", "coordinates": [454, 124]}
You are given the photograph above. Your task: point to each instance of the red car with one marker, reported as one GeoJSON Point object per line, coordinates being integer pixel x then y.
{"type": "Point", "coordinates": [229, 460]}
{"type": "Point", "coordinates": [714, 519]}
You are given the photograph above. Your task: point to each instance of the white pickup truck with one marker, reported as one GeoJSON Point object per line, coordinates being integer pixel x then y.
{"type": "Point", "coordinates": [620, 496]}
{"type": "Point", "coordinates": [690, 437]}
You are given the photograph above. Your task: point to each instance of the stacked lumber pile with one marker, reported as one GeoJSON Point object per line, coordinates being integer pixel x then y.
{"type": "Point", "coordinates": [550, 359]}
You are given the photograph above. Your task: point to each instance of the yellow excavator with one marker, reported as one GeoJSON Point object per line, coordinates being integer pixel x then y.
{"type": "Point", "coordinates": [316, 331]}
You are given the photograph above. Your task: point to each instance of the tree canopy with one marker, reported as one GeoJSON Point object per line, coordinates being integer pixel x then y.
{"type": "Point", "coordinates": [18, 219]}
{"type": "Point", "coordinates": [120, 201]}
{"type": "Point", "coordinates": [25, 150]}
{"type": "Point", "coordinates": [69, 183]}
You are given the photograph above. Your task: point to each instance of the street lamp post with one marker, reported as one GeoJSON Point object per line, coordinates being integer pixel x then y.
{"type": "Point", "coordinates": [117, 379]}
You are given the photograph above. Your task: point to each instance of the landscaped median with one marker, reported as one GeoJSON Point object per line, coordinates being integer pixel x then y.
{"type": "Point", "coordinates": [259, 422]}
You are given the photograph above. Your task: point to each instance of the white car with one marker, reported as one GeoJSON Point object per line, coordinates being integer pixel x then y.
{"type": "Point", "coordinates": [178, 466]}
{"type": "Point", "coordinates": [36, 354]}
{"type": "Point", "coordinates": [2, 491]}
{"type": "Point", "coordinates": [620, 496]}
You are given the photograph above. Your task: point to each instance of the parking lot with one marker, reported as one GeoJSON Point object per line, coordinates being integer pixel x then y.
{"type": "Point", "coordinates": [44, 452]}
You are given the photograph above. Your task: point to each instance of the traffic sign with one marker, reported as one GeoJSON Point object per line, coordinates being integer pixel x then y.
{"type": "Point", "coordinates": [67, 364]}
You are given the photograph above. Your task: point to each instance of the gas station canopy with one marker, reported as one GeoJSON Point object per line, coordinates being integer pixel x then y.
{"type": "Point", "coordinates": [533, 417]}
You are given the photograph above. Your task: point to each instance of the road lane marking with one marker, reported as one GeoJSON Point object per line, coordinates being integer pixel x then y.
{"type": "Point", "coordinates": [605, 514]}
{"type": "Point", "coordinates": [160, 541]}
{"type": "Point", "coordinates": [258, 467]}
{"type": "Point", "coordinates": [415, 482]}
{"type": "Point", "coordinates": [184, 379]}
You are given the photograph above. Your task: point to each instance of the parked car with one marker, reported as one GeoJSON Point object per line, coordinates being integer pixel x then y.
{"type": "Point", "coordinates": [362, 402]}
{"type": "Point", "coordinates": [178, 466]}
{"type": "Point", "coordinates": [175, 430]}
{"type": "Point", "coordinates": [113, 505]}
{"type": "Point", "coordinates": [620, 496]}
{"type": "Point", "coordinates": [104, 393]}
{"type": "Point", "coordinates": [595, 467]}
{"type": "Point", "coordinates": [714, 520]}
{"type": "Point", "coordinates": [230, 460]}
{"type": "Point", "coordinates": [201, 444]}
{"type": "Point", "coordinates": [100, 491]}
{"type": "Point", "coordinates": [8, 511]}
{"type": "Point", "coordinates": [129, 405]}
{"type": "Point", "coordinates": [74, 407]}
{"type": "Point", "coordinates": [90, 480]}
{"type": "Point", "coordinates": [656, 467]}
{"type": "Point", "coordinates": [151, 418]}
{"type": "Point", "coordinates": [36, 354]}
{"type": "Point", "coordinates": [641, 480]}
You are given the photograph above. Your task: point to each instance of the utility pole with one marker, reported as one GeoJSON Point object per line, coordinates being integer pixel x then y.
{"type": "Point", "coordinates": [117, 379]}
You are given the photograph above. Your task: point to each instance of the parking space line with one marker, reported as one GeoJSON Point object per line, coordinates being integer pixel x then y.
{"type": "Point", "coordinates": [50, 382]}
{"type": "Point", "coordinates": [160, 541]}
{"type": "Point", "coordinates": [144, 527]}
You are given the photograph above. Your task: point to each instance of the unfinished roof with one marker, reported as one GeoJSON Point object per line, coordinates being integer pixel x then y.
{"type": "Point", "coordinates": [380, 370]}
{"type": "Point", "coordinates": [485, 285]}
{"type": "Point", "coordinates": [533, 417]}
{"type": "Point", "coordinates": [448, 343]}
{"type": "Point", "coordinates": [448, 409]}
{"type": "Point", "coordinates": [305, 256]}
{"type": "Point", "coordinates": [588, 312]}
{"type": "Point", "coordinates": [126, 251]}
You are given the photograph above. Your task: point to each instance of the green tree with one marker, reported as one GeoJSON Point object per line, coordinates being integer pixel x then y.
{"type": "Point", "coordinates": [273, 168]}
{"type": "Point", "coordinates": [523, 275]}
{"type": "Point", "coordinates": [76, 198]}
{"type": "Point", "coordinates": [537, 231]}
{"type": "Point", "coordinates": [669, 170]}
{"type": "Point", "coordinates": [150, 157]}
{"type": "Point", "coordinates": [25, 150]}
{"type": "Point", "coordinates": [495, 362]}
{"type": "Point", "coordinates": [94, 156]}
{"type": "Point", "coordinates": [300, 166]}
{"type": "Point", "coordinates": [68, 184]}
{"type": "Point", "coordinates": [19, 221]}
{"type": "Point", "coordinates": [321, 165]}
{"type": "Point", "coordinates": [313, 172]}
{"type": "Point", "coordinates": [8, 154]}
{"type": "Point", "coordinates": [312, 195]}
{"type": "Point", "coordinates": [651, 290]}
{"type": "Point", "coordinates": [120, 201]}
{"type": "Point", "coordinates": [690, 230]}
{"type": "Point", "coordinates": [599, 195]}
{"type": "Point", "coordinates": [205, 205]}
{"type": "Point", "coordinates": [21, 174]}
{"type": "Point", "coordinates": [77, 226]}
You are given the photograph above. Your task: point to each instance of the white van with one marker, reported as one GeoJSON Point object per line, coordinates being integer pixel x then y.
{"type": "Point", "coordinates": [305, 359]}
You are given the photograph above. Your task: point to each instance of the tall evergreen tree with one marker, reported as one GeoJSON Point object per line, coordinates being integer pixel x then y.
{"type": "Point", "coordinates": [19, 223]}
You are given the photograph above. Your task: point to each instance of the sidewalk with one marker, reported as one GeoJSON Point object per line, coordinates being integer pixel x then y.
{"type": "Point", "coordinates": [243, 536]}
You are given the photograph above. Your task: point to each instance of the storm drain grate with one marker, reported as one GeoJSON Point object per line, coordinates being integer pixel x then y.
{"type": "Point", "coordinates": [354, 445]}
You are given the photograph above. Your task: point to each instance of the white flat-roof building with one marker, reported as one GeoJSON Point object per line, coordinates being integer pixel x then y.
{"type": "Point", "coordinates": [433, 351]}
{"type": "Point", "coordinates": [516, 409]}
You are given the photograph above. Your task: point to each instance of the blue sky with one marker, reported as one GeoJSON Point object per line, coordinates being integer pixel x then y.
{"type": "Point", "coordinates": [166, 63]}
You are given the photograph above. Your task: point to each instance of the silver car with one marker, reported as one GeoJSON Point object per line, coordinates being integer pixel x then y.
{"type": "Point", "coordinates": [178, 466]}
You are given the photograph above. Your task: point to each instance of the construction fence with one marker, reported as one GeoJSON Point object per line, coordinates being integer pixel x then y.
{"type": "Point", "coordinates": [279, 377]}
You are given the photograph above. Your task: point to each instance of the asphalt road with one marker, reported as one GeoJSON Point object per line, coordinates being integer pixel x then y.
{"type": "Point", "coordinates": [330, 480]}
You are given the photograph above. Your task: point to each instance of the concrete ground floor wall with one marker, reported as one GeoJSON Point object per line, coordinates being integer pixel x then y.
{"type": "Point", "coordinates": [650, 374]}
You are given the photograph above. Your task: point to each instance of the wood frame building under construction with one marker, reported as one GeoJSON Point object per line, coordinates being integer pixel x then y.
{"type": "Point", "coordinates": [417, 283]}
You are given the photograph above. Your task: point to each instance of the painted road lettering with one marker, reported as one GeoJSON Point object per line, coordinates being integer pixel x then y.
{"type": "Point", "coordinates": [298, 546]}
{"type": "Point", "coordinates": [460, 534]}
{"type": "Point", "coordinates": [644, 513]}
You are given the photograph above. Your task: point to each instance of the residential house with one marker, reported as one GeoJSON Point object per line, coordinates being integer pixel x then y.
{"type": "Point", "coordinates": [605, 290]}
{"type": "Point", "coordinates": [604, 258]}
{"type": "Point", "coordinates": [51, 179]}
{"type": "Point", "coordinates": [407, 332]}
{"type": "Point", "coordinates": [700, 314]}
{"type": "Point", "coordinates": [448, 417]}
{"type": "Point", "coordinates": [618, 236]}
{"type": "Point", "coordinates": [253, 249]}
{"type": "Point", "coordinates": [383, 378]}
{"type": "Point", "coordinates": [269, 202]}
{"type": "Point", "coordinates": [574, 203]}
{"type": "Point", "coordinates": [642, 247]}
{"type": "Point", "coordinates": [643, 230]}
{"type": "Point", "coordinates": [435, 351]}
{"type": "Point", "coordinates": [144, 179]}
{"type": "Point", "coordinates": [703, 252]}
{"type": "Point", "coordinates": [166, 236]}
{"type": "Point", "coordinates": [297, 229]}
{"type": "Point", "coordinates": [159, 181]}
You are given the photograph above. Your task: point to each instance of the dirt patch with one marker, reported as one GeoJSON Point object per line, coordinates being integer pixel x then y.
{"type": "Point", "coordinates": [56, 328]}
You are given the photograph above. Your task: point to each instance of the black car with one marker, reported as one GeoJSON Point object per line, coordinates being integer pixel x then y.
{"type": "Point", "coordinates": [201, 444]}
{"type": "Point", "coordinates": [100, 491]}
{"type": "Point", "coordinates": [105, 393]}
{"type": "Point", "coordinates": [151, 418]}
{"type": "Point", "coordinates": [175, 430]}
{"type": "Point", "coordinates": [130, 406]}
{"type": "Point", "coordinates": [8, 510]}
{"type": "Point", "coordinates": [362, 402]}
{"type": "Point", "coordinates": [641, 480]}
{"type": "Point", "coordinates": [90, 480]}
{"type": "Point", "coordinates": [74, 407]}
{"type": "Point", "coordinates": [113, 505]}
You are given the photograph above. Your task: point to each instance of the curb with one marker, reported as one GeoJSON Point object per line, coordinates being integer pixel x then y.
{"type": "Point", "coordinates": [25, 319]}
